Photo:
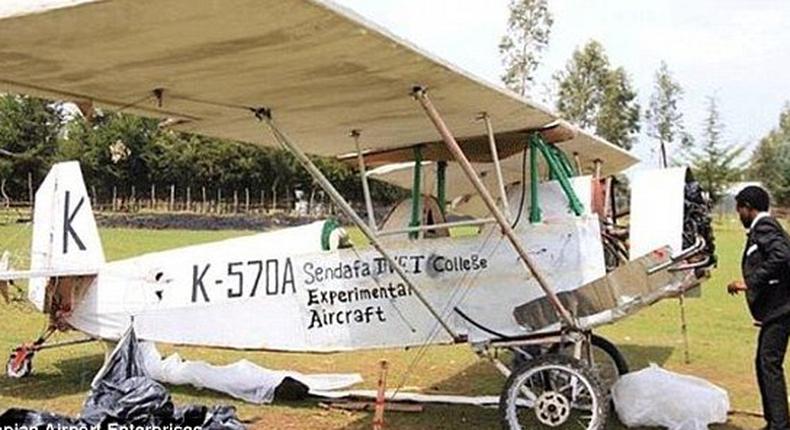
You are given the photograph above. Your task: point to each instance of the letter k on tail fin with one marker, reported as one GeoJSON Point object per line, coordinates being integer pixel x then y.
{"type": "Point", "coordinates": [65, 238]}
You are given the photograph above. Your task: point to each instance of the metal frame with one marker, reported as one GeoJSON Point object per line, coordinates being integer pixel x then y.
{"type": "Point", "coordinates": [356, 134]}
{"type": "Point", "coordinates": [416, 193]}
{"type": "Point", "coordinates": [497, 166]}
{"type": "Point", "coordinates": [421, 95]}
{"type": "Point", "coordinates": [437, 226]}
{"type": "Point", "coordinates": [559, 170]}
{"type": "Point", "coordinates": [265, 115]}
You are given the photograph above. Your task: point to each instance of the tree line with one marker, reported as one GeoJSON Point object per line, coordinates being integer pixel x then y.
{"type": "Point", "coordinates": [121, 151]}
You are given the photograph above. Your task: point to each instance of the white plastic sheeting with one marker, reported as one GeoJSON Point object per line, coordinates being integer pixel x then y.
{"type": "Point", "coordinates": [654, 397]}
{"type": "Point", "coordinates": [656, 210]}
{"type": "Point", "coordinates": [243, 379]}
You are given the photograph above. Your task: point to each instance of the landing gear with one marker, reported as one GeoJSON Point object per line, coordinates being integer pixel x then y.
{"type": "Point", "coordinates": [607, 361]}
{"type": "Point", "coordinates": [554, 391]}
{"type": "Point", "coordinates": [20, 363]}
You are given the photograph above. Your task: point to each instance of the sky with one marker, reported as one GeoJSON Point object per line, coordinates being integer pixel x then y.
{"type": "Point", "coordinates": [735, 50]}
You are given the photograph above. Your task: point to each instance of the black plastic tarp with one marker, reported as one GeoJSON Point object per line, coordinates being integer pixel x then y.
{"type": "Point", "coordinates": [123, 393]}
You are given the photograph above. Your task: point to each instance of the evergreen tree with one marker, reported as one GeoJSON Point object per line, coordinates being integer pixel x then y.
{"type": "Point", "coordinates": [597, 97]}
{"type": "Point", "coordinates": [770, 162]}
{"type": "Point", "coordinates": [715, 164]}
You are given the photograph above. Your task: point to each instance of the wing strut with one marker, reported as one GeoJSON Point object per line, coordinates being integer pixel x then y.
{"type": "Point", "coordinates": [422, 96]}
{"type": "Point", "coordinates": [495, 158]}
{"type": "Point", "coordinates": [265, 115]}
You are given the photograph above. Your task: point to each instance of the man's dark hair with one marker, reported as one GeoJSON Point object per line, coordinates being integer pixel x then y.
{"type": "Point", "coordinates": [753, 197]}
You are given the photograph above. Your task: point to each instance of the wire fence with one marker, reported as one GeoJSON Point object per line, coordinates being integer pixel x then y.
{"type": "Point", "coordinates": [197, 200]}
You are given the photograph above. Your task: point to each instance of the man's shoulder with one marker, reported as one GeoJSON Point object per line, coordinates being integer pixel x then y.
{"type": "Point", "coordinates": [768, 225]}
{"type": "Point", "coordinates": [769, 221]}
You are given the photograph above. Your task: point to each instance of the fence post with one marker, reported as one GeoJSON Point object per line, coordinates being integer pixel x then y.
{"type": "Point", "coordinates": [263, 204]}
{"type": "Point", "coordinates": [189, 199]}
{"type": "Point", "coordinates": [133, 200]}
{"type": "Point", "coordinates": [152, 203]}
{"type": "Point", "coordinates": [30, 187]}
{"type": "Point", "coordinates": [235, 201]}
{"type": "Point", "coordinates": [246, 200]}
{"type": "Point", "coordinates": [203, 205]}
{"type": "Point", "coordinates": [172, 207]}
{"type": "Point", "coordinates": [114, 198]}
{"type": "Point", "coordinates": [93, 196]}
{"type": "Point", "coordinates": [219, 200]}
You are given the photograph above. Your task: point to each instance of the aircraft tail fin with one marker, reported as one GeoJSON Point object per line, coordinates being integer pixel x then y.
{"type": "Point", "coordinates": [65, 238]}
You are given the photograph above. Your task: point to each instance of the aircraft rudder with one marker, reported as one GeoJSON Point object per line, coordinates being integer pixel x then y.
{"type": "Point", "coordinates": [65, 236]}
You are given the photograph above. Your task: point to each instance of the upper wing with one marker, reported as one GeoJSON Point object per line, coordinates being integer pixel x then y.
{"type": "Point", "coordinates": [322, 69]}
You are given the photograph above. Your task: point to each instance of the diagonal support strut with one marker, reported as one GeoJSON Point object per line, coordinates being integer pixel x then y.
{"type": "Point", "coordinates": [421, 95]}
{"type": "Point", "coordinates": [266, 116]}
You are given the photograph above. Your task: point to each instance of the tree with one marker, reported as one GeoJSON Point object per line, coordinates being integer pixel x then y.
{"type": "Point", "coordinates": [528, 31]}
{"type": "Point", "coordinates": [663, 116]}
{"type": "Point", "coordinates": [618, 115]}
{"type": "Point", "coordinates": [597, 97]}
{"type": "Point", "coordinates": [770, 162]}
{"type": "Point", "coordinates": [29, 129]}
{"type": "Point", "coordinates": [715, 164]}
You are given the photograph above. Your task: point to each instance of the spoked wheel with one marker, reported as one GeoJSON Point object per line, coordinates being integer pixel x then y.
{"type": "Point", "coordinates": [20, 363]}
{"type": "Point", "coordinates": [553, 391]}
{"type": "Point", "coordinates": [608, 363]}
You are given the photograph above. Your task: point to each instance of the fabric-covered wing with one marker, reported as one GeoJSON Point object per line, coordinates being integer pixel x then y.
{"type": "Point", "coordinates": [322, 69]}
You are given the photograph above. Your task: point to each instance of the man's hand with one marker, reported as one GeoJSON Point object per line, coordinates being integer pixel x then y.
{"type": "Point", "coordinates": [736, 287]}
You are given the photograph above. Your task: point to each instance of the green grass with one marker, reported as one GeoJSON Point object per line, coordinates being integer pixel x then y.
{"type": "Point", "coordinates": [721, 334]}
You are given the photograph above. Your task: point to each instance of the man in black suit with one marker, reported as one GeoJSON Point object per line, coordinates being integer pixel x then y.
{"type": "Point", "coordinates": [766, 280]}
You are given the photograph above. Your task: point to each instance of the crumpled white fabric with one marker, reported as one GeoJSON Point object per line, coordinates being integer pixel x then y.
{"type": "Point", "coordinates": [243, 379]}
{"type": "Point", "coordinates": [654, 397]}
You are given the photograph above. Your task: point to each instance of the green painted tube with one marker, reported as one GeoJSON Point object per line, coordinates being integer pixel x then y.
{"type": "Point", "coordinates": [441, 186]}
{"type": "Point", "coordinates": [534, 203]}
{"type": "Point", "coordinates": [560, 175]}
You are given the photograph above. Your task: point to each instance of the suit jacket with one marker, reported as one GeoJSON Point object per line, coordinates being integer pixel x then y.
{"type": "Point", "coordinates": [766, 270]}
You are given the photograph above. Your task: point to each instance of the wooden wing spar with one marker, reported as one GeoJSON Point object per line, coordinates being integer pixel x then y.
{"type": "Point", "coordinates": [203, 64]}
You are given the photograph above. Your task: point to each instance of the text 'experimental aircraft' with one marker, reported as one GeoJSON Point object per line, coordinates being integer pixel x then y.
{"type": "Point", "coordinates": [550, 258]}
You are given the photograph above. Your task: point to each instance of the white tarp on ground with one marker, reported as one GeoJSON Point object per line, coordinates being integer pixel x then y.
{"type": "Point", "coordinates": [243, 379]}
{"type": "Point", "coordinates": [656, 219]}
{"type": "Point", "coordinates": [654, 397]}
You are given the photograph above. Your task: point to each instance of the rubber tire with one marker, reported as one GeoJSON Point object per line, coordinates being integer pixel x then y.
{"type": "Point", "coordinates": [597, 341]}
{"type": "Point", "coordinates": [27, 367]}
{"type": "Point", "coordinates": [614, 353]}
{"type": "Point", "coordinates": [560, 360]}
{"type": "Point", "coordinates": [610, 349]}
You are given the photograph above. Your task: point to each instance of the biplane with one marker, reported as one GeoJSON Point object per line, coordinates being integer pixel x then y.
{"type": "Point", "coordinates": [545, 258]}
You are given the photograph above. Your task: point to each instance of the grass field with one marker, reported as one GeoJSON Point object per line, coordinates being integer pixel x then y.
{"type": "Point", "coordinates": [721, 333]}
